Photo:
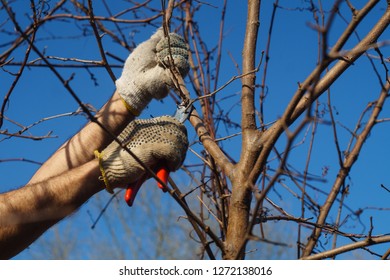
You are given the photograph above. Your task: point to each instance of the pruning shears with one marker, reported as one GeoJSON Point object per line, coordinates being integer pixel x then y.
{"type": "Point", "coordinates": [182, 113]}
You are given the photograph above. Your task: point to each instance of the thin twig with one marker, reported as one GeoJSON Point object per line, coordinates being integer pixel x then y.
{"type": "Point", "coordinates": [99, 41]}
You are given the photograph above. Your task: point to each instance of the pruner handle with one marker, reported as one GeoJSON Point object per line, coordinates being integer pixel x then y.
{"type": "Point", "coordinates": [163, 174]}
{"type": "Point", "coordinates": [132, 190]}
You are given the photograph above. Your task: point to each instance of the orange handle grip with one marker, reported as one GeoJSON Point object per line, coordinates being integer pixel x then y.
{"type": "Point", "coordinates": [132, 191]}
{"type": "Point", "coordinates": [163, 175]}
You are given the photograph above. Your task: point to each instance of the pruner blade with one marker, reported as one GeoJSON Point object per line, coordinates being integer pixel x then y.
{"type": "Point", "coordinates": [183, 111]}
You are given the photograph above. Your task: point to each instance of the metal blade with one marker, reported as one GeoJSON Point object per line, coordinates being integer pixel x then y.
{"type": "Point", "coordinates": [183, 112]}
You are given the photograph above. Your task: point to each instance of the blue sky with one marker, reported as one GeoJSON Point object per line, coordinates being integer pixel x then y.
{"type": "Point", "coordinates": [293, 56]}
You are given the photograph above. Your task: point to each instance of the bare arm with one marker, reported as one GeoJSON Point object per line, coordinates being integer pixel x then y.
{"type": "Point", "coordinates": [143, 78]}
{"type": "Point", "coordinates": [29, 211]}
{"type": "Point", "coordinates": [71, 175]}
{"type": "Point", "coordinates": [79, 149]}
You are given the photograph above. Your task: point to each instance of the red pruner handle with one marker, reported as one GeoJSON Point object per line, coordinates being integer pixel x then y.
{"type": "Point", "coordinates": [130, 195]}
{"type": "Point", "coordinates": [132, 191]}
{"type": "Point", "coordinates": [163, 175]}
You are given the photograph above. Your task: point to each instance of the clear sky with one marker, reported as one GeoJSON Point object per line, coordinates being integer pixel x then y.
{"type": "Point", "coordinates": [294, 51]}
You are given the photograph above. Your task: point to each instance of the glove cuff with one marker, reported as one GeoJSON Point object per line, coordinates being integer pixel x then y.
{"type": "Point", "coordinates": [111, 168]}
{"type": "Point", "coordinates": [134, 98]}
{"type": "Point", "coordinates": [99, 157]}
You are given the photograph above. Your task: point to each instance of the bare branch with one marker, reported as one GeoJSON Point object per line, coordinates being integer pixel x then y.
{"type": "Point", "coordinates": [349, 247]}
{"type": "Point", "coordinates": [349, 161]}
{"type": "Point", "coordinates": [99, 41]}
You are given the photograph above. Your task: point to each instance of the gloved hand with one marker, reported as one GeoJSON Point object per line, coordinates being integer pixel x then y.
{"type": "Point", "coordinates": [145, 75]}
{"type": "Point", "coordinates": [158, 142]}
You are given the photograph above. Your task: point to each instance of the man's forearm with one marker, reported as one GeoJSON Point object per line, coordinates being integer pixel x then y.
{"type": "Point", "coordinates": [79, 149]}
{"type": "Point", "coordinates": [29, 211]}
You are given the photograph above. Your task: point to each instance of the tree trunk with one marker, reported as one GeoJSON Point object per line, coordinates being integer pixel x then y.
{"type": "Point", "coordinates": [238, 225]}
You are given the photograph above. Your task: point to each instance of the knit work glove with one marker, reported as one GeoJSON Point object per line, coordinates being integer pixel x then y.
{"type": "Point", "coordinates": [156, 142]}
{"type": "Point", "coordinates": [145, 75]}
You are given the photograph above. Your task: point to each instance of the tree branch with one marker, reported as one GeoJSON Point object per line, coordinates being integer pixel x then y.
{"type": "Point", "coordinates": [345, 169]}
{"type": "Point", "coordinates": [99, 41]}
{"type": "Point", "coordinates": [301, 102]}
{"type": "Point", "coordinates": [346, 248]}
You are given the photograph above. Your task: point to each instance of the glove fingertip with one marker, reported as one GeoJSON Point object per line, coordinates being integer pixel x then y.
{"type": "Point", "coordinates": [159, 34]}
{"type": "Point", "coordinates": [175, 41]}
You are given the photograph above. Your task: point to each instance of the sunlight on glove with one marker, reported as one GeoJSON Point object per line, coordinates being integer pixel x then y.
{"type": "Point", "coordinates": [145, 75]}
{"type": "Point", "coordinates": [156, 142]}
